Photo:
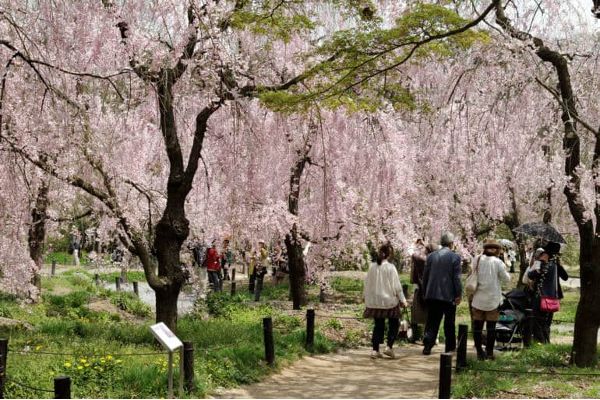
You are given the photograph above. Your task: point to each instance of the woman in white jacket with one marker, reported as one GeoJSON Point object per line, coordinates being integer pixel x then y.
{"type": "Point", "coordinates": [491, 273]}
{"type": "Point", "coordinates": [383, 298]}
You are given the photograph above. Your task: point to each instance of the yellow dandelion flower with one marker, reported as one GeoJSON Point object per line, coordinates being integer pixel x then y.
{"type": "Point", "coordinates": [38, 347]}
{"type": "Point", "coordinates": [79, 367]}
{"type": "Point", "coordinates": [68, 364]}
{"type": "Point", "coordinates": [82, 360]}
{"type": "Point", "coordinates": [109, 357]}
{"type": "Point", "coordinates": [87, 364]}
{"type": "Point", "coordinates": [102, 360]}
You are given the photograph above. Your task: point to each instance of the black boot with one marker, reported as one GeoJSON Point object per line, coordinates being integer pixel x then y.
{"type": "Point", "coordinates": [491, 340]}
{"type": "Point", "coordinates": [478, 339]}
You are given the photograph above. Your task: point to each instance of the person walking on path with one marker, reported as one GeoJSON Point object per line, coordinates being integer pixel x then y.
{"type": "Point", "coordinates": [443, 292]}
{"type": "Point", "coordinates": [383, 299]}
{"type": "Point", "coordinates": [491, 273]}
{"type": "Point", "coordinates": [213, 266]}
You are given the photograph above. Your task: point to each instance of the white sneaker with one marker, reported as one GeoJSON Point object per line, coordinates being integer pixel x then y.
{"type": "Point", "coordinates": [375, 354]}
{"type": "Point", "coordinates": [389, 352]}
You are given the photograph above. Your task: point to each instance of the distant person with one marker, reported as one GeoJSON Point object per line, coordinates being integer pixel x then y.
{"type": "Point", "coordinates": [226, 259]}
{"type": "Point", "coordinates": [491, 274]}
{"type": "Point", "coordinates": [443, 292]}
{"type": "Point", "coordinates": [383, 299]}
{"type": "Point", "coordinates": [213, 266]}
{"type": "Point", "coordinates": [418, 312]}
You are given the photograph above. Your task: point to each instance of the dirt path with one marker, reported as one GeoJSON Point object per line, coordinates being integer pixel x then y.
{"type": "Point", "coordinates": [350, 374]}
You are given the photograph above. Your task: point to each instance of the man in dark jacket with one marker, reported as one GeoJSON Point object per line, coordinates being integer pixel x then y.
{"type": "Point", "coordinates": [443, 292]}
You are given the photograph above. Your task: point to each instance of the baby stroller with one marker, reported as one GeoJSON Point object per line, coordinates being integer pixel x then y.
{"type": "Point", "coordinates": [509, 329]}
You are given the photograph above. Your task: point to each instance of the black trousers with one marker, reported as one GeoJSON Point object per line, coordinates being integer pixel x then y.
{"type": "Point", "coordinates": [437, 310]}
{"type": "Point", "coordinates": [379, 329]}
{"type": "Point", "coordinates": [541, 323]}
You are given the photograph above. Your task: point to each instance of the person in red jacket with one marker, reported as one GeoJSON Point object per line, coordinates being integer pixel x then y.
{"type": "Point", "coordinates": [213, 266]}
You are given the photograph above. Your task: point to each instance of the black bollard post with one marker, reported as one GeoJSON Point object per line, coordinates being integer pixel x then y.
{"type": "Point", "coordinates": [461, 353]}
{"type": "Point", "coordinates": [322, 297]}
{"type": "Point", "coordinates": [269, 346]}
{"type": "Point", "coordinates": [258, 288]}
{"type": "Point", "coordinates": [528, 327]}
{"type": "Point", "coordinates": [118, 283]}
{"type": "Point", "coordinates": [310, 329]}
{"type": "Point", "coordinates": [53, 267]}
{"type": "Point", "coordinates": [62, 387]}
{"type": "Point", "coordinates": [136, 288]}
{"type": "Point", "coordinates": [445, 376]}
{"type": "Point", "coordinates": [233, 288]}
{"type": "Point", "coordinates": [3, 358]}
{"type": "Point", "coordinates": [233, 274]}
{"type": "Point", "coordinates": [188, 366]}
{"type": "Point", "coordinates": [97, 279]}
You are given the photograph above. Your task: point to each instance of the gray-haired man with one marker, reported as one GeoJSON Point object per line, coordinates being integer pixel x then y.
{"type": "Point", "coordinates": [443, 292]}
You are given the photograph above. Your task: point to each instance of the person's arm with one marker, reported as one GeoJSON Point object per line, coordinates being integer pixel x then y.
{"type": "Point", "coordinates": [503, 275]}
{"type": "Point", "coordinates": [398, 287]}
{"type": "Point", "coordinates": [456, 278]}
{"type": "Point", "coordinates": [426, 274]}
{"type": "Point", "coordinates": [562, 273]}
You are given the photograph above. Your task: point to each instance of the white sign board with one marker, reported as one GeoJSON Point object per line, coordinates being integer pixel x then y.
{"type": "Point", "coordinates": [165, 336]}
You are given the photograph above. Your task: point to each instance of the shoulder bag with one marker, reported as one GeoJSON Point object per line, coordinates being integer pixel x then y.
{"type": "Point", "coordinates": [471, 282]}
{"type": "Point", "coordinates": [550, 304]}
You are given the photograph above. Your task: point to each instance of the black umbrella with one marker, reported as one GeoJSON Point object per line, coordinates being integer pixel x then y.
{"type": "Point", "coordinates": [541, 230]}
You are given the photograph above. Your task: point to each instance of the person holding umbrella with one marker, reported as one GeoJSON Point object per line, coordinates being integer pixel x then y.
{"type": "Point", "coordinates": [545, 284]}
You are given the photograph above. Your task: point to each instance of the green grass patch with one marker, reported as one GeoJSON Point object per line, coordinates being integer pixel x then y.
{"type": "Point", "coordinates": [94, 347]}
{"type": "Point", "coordinates": [347, 285]}
{"type": "Point", "coordinates": [528, 381]}
{"type": "Point", "coordinates": [132, 276]}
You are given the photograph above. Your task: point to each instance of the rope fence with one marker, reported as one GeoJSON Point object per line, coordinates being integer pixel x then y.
{"type": "Point", "coordinates": [20, 384]}
{"type": "Point", "coordinates": [49, 353]}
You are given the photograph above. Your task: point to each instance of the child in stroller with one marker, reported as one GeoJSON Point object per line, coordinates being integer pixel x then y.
{"type": "Point", "coordinates": [509, 329]}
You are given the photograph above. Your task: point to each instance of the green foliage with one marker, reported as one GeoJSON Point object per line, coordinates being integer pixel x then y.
{"type": "Point", "coordinates": [132, 276]}
{"type": "Point", "coordinates": [64, 258]}
{"type": "Point", "coordinates": [570, 254]}
{"type": "Point", "coordinates": [361, 67]}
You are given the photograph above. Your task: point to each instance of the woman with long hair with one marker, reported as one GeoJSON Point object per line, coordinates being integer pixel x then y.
{"type": "Point", "coordinates": [383, 299]}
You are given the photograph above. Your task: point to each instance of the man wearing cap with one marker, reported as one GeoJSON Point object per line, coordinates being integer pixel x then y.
{"type": "Point", "coordinates": [443, 291]}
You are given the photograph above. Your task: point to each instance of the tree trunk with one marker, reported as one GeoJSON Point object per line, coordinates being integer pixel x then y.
{"type": "Point", "coordinates": [166, 306]}
{"type": "Point", "coordinates": [296, 268]}
{"type": "Point", "coordinates": [292, 239]}
{"type": "Point", "coordinates": [37, 232]}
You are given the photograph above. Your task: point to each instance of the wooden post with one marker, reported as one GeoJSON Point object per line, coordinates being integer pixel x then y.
{"type": "Point", "coordinates": [118, 283]}
{"type": "Point", "coordinates": [62, 387]}
{"type": "Point", "coordinates": [53, 268]}
{"type": "Point", "coordinates": [445, 376]}
{"type": "Point", "coordinates": [136, 288]}
{"type": "Point", "coordinates": [233, 274]}
{"type": "Point", "coordinates": [3, 358]}
{"type": "Point", "coordinates": [97, 279]}
{"type": "Point", "coordinates": [310, 329]}
{"type": "Point", "coordinates": [461, 353]}
{"type": "Point", "coordinates": [268, 335]}
{"type": "Point", "coordinates": [233, 287]}
{"type": "Point", "coordinates": [528, 327]}
{"type": "Point", "coordinates": [322, 295]}
{"type": "Point", "coordinates": [188, 366]}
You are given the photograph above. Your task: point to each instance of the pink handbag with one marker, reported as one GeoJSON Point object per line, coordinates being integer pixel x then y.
{"type": "Point", "coordinates": [549, 304]}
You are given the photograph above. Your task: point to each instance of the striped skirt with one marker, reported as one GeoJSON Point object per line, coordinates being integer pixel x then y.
{"type": "Point", "coordinates": [393, 312]}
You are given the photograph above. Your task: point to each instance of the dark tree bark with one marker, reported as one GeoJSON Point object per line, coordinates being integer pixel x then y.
{"type": "Point", "coordinates": [293, 238]}
{"type": "Point", "coordinates": [587, 319]}
{"type": "Point", "coordinates": [513, 220]}
{"type": "Point", "coordinates": [37, 231]}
